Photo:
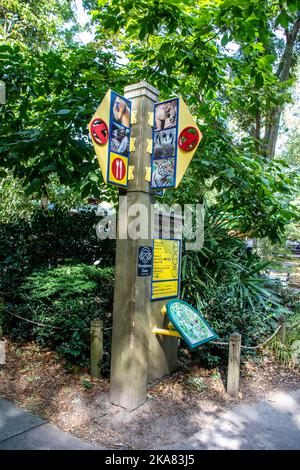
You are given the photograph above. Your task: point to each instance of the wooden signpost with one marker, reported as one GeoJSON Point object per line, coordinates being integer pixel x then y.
{"type": "Point", "coordinates": [147, 271]}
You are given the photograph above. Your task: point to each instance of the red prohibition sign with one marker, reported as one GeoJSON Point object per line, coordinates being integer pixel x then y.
{"type": "Point", "coordinates": [188, 138]}
{"type": "Point", "coordinates": [99, 131]}
{"type": "Point", "coordinates": [118, 169]}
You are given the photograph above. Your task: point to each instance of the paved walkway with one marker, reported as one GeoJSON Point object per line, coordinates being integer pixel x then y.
{"type": "Point", "coordinates": [270, 424]}
{"type": "Point", "coordinates": [24, 431]}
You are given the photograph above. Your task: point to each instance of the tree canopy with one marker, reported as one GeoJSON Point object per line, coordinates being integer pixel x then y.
{"type": "Point", "coordinates": [232, 61]}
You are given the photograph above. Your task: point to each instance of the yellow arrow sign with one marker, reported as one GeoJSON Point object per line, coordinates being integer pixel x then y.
{"type": "Point", "coordinates": [176, 137]}
{"type": "Point", "coordinates": [189, 137]}
{"type": "Point", "coordinates": [110, 133]}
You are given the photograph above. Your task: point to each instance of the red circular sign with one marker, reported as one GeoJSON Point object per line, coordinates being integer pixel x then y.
{"type": "Point", "coordinates": [188, 138]}
{"type": "Point", "coordinates": [118, 169]}
{"type": "Point", "coordinates": [99, 131]}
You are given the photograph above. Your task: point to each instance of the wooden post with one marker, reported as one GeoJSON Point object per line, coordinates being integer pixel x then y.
{"type": "Point", "coordinates": [96, 348]}
{"type": "Point", "coordinates": [282, 332]}
{"type": "Point", "coordinates": [133, 343]}
{"type": "Point", "coordinates": [1, 310]}
{"type": "Point", "coordinates": [131, 331]}
{"type": "Point", "coordinates": [2, 92]}
{"type": "Point", "coordinates": [233, 375]}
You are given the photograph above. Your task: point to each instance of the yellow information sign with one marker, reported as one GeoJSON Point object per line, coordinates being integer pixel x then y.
{"type": "Point", "coordinates": [166, 268]}
{"type": "Point", "coordinates": [186, 145]}
{"type": "Point", "coordinates": [164, 290]}
{"type": "Point", "coordinates": [110, 133]}
{"type": "Point", "coordinates": [101, 146]}
{"type": "Point", "coordinates": [176, 137]}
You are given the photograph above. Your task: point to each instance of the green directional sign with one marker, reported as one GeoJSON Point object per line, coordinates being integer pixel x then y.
{"type": "Point", "coordinates": [193, 328]}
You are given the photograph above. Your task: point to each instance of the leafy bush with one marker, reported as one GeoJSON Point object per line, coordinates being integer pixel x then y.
{"type": "Point", "coordinates": [65, 299]}
{"type": "Point", "coordinates": [226, 284]}
{"type": "Point", "coordinates": [288, 352]}
{"type": "Point", "coordinates": [50, 238]}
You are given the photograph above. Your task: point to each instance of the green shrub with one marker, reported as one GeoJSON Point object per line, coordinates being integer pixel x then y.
{"type": "Point", "coordinates": [65, 299]}
{"type": "Point", "coordinates": [226, 284]}
{"type": "Point", "coordinates": [289, 352]}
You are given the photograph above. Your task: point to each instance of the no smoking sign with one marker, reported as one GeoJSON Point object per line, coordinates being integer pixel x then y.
{"type": "Point", "coordinates": [99, 131]}
{"type": "Point", "coordinates": [188, 139]}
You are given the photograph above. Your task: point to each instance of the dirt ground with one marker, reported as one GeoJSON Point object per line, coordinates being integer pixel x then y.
{"type": "Point", "coordinates": [37, 380]}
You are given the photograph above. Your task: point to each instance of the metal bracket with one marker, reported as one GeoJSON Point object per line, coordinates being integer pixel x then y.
{"type": "Point", "coordinates": [133, 117]}
{"type": "Point", "coordinates": [132, 144]}
{"type": "Point", "coordinates": [149, 145]}
{"type": "Point", "coordinates": [130, 172]}
{"type": "Point", "coordinates": [150, 119]}
{"type": "Point", "coordinates": [148, 174]}
{"type": "Point", "coordinates": [162, 331]}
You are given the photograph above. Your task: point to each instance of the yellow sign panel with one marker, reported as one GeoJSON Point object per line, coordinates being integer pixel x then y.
{"type": "Point", "coordinates": [101, 149]}
{"type": "Point", "coordinates": [164, 289]}
{"type": "Point", "coordinates": [176, 137]}
{"type": "Point", "coordinates": [165, 260]}
{"type": "Point", "coordinates": [185, 153]}
{"type": "Point", "coordinates": [166, 268]}
{"type": "Point", "coordinates": [110, 133]}
{"type": "Point", "coordinates": [118, 169]}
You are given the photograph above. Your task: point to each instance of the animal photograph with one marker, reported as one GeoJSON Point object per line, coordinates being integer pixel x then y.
{"type": "Point", "coordinates": [119, 139]}
{"type": "Point", "coordinates": [121, 111]}
{"type": "Point", "coordinates": [166, 115]}
{"type": "Point", "coordinates": [164, 143]}
{"type": "Point", "coordinates": [163, 173]}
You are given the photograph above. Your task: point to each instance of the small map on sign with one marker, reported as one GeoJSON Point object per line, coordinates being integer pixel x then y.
{"type": "Point", "coordinates": [193, 328]}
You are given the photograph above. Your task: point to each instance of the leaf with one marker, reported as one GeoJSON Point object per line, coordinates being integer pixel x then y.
{"type": "Point", "coordinates": [63, 111]}
{"type": "Point", "coordinates": [283, 20]}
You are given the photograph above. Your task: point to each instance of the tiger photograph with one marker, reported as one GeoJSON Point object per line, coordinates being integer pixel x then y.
{"type": "Point", "coordinates": [163, 173]}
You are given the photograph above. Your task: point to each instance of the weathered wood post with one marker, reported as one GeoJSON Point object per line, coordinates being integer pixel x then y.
{"type": "Point", "coordinates": [132, 333]}
{"type": "Point", "coordinates": [1, 310]}
{"type": "Point", "coordinates": [233, 374]}
{"type": "Point", "coordinates": [2, 343]}
{"type": "Point", "coordinates": [2, 92]}
{"type": "Point", "coordinates": [96, 352]}
{"type": "Point", "coordinates": [281, 335]}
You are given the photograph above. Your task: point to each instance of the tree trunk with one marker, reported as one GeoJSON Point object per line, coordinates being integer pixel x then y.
{"type": "Point", "coordinates": [283, 72]}
{"type": "Point", "coordinates": [44, 198]}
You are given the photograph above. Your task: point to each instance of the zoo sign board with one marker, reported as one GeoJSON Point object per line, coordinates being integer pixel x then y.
{"type": "Point", "coordinates": [175, 141]}
{"type": "Point", "coordinates": [165, 281]}
{"type": "Point", "coordinates": [110, 133]}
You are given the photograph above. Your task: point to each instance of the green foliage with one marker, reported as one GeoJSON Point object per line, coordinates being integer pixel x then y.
{"type": "Point", "coordinates": [17, 18]}
{"type": "Point", "coordinates": [50, 238]}
{"type": "Point", "coordinates": [186, 51]}
{"type": "Point", "coordinates": [50, 98]}
{"type": "Point", "coordinates": [14, 204]}
{"type": "Point", "coordinates": [64, 283]}
{"type": "Point", "coordinates": [226, 284]}
{"type": "Point", "coordinates": [65, 299]}
{"type": "Point", "coordinates": [288, 352]}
